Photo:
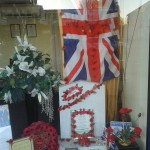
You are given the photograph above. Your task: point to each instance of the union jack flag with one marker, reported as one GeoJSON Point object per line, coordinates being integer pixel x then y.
{"type": "Point", "coordinates": [90, 36]}
{"type": "Point", "coordinates": [105, 140]}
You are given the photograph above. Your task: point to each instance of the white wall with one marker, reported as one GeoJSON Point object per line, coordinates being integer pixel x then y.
{"type": "Point", "coordinates": [137, 59]}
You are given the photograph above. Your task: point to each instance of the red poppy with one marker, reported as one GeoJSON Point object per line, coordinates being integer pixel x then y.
{"type": "Point", "coordinates": [44, 135]}
{"type": "Point", "coordinates": [31, 136]}
{"type": "Point", "coordinates": [68, 140]}
{"type": "Point", "coordinates": [77, 100]}
{"type": "Point", "coordinates": [112, 137]}
{"type": "Point", "coordinates": [125, 110]}
{"type": "Point", "coordinates": [137, 131]}
{"type": "Point", "coordinates": [10, 141]}
{"type": "Point", "coordinates": [109, 130]}
{"type": "Point", "coordinates": [132, 138]}
{"type": "Point", "coordinates": [64, 47]}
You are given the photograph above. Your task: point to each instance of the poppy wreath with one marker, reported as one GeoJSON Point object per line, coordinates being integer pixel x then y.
{"type": "Point", "coordinates": [44, 135]}
{"type": "Point", "coordinates": [72, 92]}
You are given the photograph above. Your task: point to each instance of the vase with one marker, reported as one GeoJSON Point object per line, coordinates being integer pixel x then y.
{"type": "Point", "coordinates": [125, 142]}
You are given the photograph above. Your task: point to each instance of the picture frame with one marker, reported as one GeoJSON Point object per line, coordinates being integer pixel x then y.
{"type": "Point", "coordinates": [21, 144]}
{"type": "Point", "coordinates": [31, 30]}
{"type": "Point", "coordinates": [82, 123]}
{"type": "Point", "coordinates": [15, 30]}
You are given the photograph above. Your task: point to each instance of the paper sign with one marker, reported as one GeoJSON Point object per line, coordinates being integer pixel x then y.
{"type": "Point", "coordinates": [22, 144]}
{"type": "Point", "coordinates": [82, 124]}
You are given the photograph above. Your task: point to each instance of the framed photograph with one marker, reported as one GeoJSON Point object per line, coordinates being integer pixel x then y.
{"type": "Point", "coordinates": [119, 125]}
{"type": "Point", "coordinates": [15, 30]}
{"type": "Point", "coordinates": [82, 123]}
{"type": "Point", "coordinates": [31, 30]}
{"type": "Point", "coordinates": [21, 144]}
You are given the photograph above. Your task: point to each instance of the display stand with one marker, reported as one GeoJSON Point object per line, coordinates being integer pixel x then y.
{"type": "Point", "coordinates": [94, 101]}
{"type": "Point", "coordinates": [64, 145]}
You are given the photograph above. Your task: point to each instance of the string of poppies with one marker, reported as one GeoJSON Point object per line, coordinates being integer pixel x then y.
{"type": "Point", "coordinates": [81, 98]}
{"type": "Point", "coordinates": [69, 95]}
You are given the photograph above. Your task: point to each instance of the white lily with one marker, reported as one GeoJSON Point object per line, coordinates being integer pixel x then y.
{"type": "Point", "coordinates": [41, 71]}
{"type": "Point", "coordinates": [20, 58]}
{"type": "Point", "coordinates": [34, 92]}
{"type": "Point", "coordinates": [24, 66]}
{"type": "Point", "coordinates": [40, 94]}
{"type": "Point", "coordinates": [34, 72]}
{"type": "Point", "coordinates": [2, 69]}
{"type": "Point", "coordinates": [7, 97]}
{"type": "Point", "coordinates": [9, 70]}
{"type": "Point", "coordinates": [24, 43]}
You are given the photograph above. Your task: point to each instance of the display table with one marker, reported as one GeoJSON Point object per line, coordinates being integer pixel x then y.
{"type": "Point", "coordinates": [64, 145]}
{"type": "Point", "coordinates": [133, 146]}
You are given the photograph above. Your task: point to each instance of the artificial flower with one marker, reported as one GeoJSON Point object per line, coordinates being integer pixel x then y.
{"type": "Point", "coordinates": [7, 97]}
{"type": "Point", "coordinates": [10, 141]}
{"type": "Point", "coordinates": [34, 72]}
{"type": "Point", "coordinates": [19, 57]}
{"type": "Point", "coordinates": [78, 99]}
{"type": "Point", "coordinates": [137, 131]}
{"type": "Point", "coordinates": [125, 114]}
{"type": "Point", "coordinates": [109, 129]}
{"type": "Point", "coordinates": [40, 94]}
{"type": "Point", "coordinates": [43, 134]}
{"type": "Point", "coordinates": [125, 110]}
{"type": "Point", "coordinates": [128, 134]}
{"type": "Point", "coordinates": [24, 43]}
{"type": "Point", "coordinates": [9, 71]}
{"type": "Point", "coordinates": [24, 66]}
{"type": "Point", "coordinates": [26, 74]}
{"type": "Point", "coordinates": [41, 71]}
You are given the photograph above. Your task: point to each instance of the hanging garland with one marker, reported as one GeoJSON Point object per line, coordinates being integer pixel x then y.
{"type": "Point", "coordinates": [72, 92]}
{"type": "Point", "coordinates": [81, 98]}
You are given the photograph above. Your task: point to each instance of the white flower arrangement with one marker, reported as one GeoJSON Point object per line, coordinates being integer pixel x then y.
{"type": "Point", "coordinates": [29, 72]}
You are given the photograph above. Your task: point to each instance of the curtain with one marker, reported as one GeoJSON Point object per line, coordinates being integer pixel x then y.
{"type": "Point", "coordinates": [111, 96]}
{"type": "Point", "coordinates": [114, 87]}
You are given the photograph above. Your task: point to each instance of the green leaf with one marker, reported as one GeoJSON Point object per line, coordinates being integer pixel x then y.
{"type": "Point", "coordinates": [47, 60]}
{"type": "Point", "coordinates": [17, 95]}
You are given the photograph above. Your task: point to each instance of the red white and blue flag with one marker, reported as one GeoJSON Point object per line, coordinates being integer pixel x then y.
{"type": "Point", "coordinates": [108, 140]}
{"type": "Point", "coordinates": [90, 35]}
